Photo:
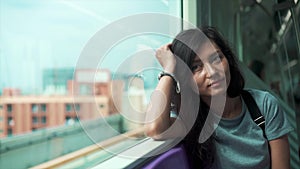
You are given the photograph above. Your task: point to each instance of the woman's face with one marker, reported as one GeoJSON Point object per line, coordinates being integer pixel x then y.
{"type": "Point", "coordinates": [211, 71]}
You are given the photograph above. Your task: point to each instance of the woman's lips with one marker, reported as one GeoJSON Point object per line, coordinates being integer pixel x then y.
{"type": "Point", "coordinates": [216, 83]}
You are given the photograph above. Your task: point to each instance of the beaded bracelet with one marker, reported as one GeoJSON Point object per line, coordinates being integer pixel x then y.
{"type": "Point", "coordinates": [161, 74]}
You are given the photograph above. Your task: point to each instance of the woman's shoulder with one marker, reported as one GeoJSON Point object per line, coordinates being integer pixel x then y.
{"type": "Point", "coordinates": [257, 92]}
{"type": "Point", "coordinates": [261, 96]}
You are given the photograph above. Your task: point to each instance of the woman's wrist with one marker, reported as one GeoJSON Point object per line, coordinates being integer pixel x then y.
{"type": "Point", "coordinates": [172, 76]}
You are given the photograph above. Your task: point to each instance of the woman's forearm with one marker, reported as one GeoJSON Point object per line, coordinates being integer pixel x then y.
{"type": "Point", "coordinates": [158, 118]}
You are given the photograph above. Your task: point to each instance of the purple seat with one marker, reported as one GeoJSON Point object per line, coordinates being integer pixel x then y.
{"type": "Point", "coordinates": [172, 159]}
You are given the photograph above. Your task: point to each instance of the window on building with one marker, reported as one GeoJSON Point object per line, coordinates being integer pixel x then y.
{"type": "Point", "coordinates": [85, 89]}
{"type": "Point", "coordinates": [70, 121]}
{"type": "Point", "coordinates": [35, 120]}
{"type": "Point", "coordinates": [77, 107]}
{"type": "Point", "coordinates": [44, 119]}
{"type": "Point", "coordinates": [9, 132]}
{"type": "Point", "coordinates": [9, 108]}
{"type": "Point", "coordinates": [34, 108]}
{"type": "Point", "coordinates": [68, 107]}
{"type": "Point", "coordinates": [43, 107]}
{"type": "Point", "coordinates": [10, 121]}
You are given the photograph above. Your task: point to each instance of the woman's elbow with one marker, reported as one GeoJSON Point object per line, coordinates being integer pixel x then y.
{"type": "Point", "coordinates": [152, 131]}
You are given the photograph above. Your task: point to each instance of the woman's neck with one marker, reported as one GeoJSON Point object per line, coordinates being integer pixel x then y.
{"type": "Point", "coordinates": [224, 106]}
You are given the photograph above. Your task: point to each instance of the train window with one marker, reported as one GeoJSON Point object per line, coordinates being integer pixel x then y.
{"type": "Point", "coordinates": [70, 96]}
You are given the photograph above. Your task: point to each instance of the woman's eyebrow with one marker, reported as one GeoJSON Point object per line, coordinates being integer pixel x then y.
{"type": "Point", "coordinates": [197, 60]}
{"type": "Point", "coordinates": [217, 52]}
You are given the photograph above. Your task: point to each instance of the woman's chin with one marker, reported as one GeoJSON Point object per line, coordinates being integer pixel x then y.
{"type": "Point", "coordinates": [212, 91]}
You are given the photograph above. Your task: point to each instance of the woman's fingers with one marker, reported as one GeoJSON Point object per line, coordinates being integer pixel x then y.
{"type": "Point", "coordinates": [166, 58]}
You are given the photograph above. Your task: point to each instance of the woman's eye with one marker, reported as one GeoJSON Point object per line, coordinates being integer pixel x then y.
{"type": "Point", "coordinates": [196, 68]}
{"type": "Point", "coordinates": [216, 59]}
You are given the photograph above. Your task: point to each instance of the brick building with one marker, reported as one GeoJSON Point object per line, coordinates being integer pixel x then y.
{"type": "Point", "coordinates": [89, 96]}
{"type": "Point", "coordinates": [22, 114]}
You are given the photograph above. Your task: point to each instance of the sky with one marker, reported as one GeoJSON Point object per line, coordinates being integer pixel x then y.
{"type": "Point", "coordinates": [37, 35]}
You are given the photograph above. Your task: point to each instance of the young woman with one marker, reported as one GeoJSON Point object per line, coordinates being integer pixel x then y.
{"type": "Point", "coordinates": [236, 141]}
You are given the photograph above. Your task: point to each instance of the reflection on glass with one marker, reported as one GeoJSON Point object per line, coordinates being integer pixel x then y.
{"type": "Point", "coordinates": [42, 87]}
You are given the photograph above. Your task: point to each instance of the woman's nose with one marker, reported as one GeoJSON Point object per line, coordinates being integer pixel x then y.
{"type": "Point", "coordinates": [210, 70]}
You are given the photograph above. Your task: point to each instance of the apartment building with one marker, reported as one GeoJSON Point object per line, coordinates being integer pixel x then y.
{"type": "Point", "coordinates": [92, 94]}
{"type": "Point", "coordinates": [23, 114]}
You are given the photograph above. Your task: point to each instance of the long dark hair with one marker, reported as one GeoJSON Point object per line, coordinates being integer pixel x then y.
{"type": "Point", "coordinates": [188, 41]}
{"type": "Point", "coordinates": [184, 46]}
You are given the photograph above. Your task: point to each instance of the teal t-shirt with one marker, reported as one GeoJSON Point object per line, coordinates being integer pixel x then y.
{"type": "Point", "coordinates": [240, 142]}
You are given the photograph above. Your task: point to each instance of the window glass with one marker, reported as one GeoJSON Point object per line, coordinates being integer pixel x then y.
{"type": "Point", "coordinates": [43, 68]}
{"type": "Point", "coordinates": [10, 121]}
{"type": "Point", "coordinates": [40, 54]}
{"type": "Point", "coordinates": [44, 120]}
{"type": "Point", "coordinates": [43, 107]}
{"type": "Point", "coordinates": [34, 108]}
{"type": "Point", "coordinates": [35, 120]}
{"type": "Point", "coordinates": [9, 108]}
{"type": "Point", "coordinates": [68, 107]}
{"type": "Point", "coordinates": [77, 107]}
{"type": "Point", "coordinates": [9, 132]}
{"type": "Point", "coordinates": [50, 39]}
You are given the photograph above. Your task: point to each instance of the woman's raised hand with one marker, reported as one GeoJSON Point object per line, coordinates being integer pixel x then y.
{"type": "Point", "coordinates": [166, 58]}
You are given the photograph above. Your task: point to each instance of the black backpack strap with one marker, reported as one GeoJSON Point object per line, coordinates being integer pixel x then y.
{"type": "Point", "coordinates": [256, 115]}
